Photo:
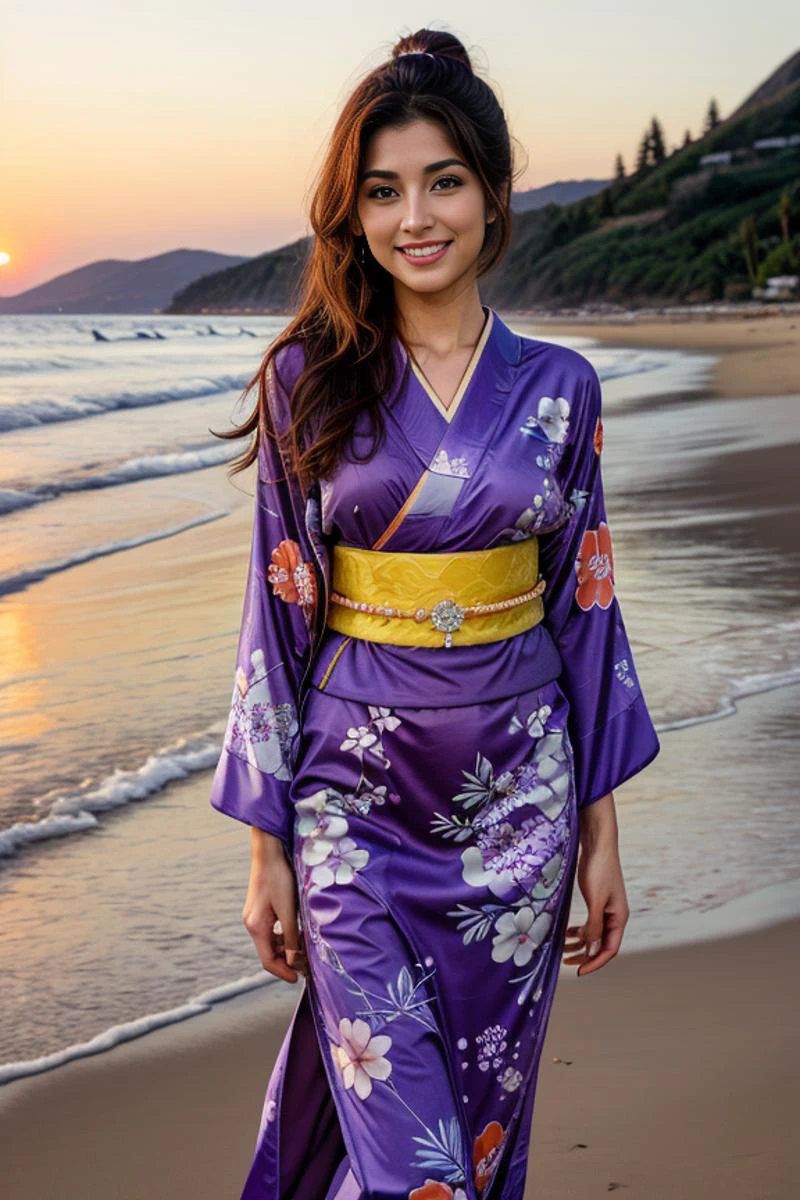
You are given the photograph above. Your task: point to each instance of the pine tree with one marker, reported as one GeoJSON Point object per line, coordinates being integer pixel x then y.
{"type": "Point", "coordinates": [712, 117]}
{"type": "Point", "coordinates": [643, 155]}
{"type": "Point", "coordinates": [657, 151]}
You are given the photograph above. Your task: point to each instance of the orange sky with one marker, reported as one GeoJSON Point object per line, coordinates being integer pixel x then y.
{"type": "Point", "coordinates": [129, 130]}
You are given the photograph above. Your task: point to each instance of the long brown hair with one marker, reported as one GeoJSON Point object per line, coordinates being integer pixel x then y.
{"type": "Point", "coordinates": [345, 300]}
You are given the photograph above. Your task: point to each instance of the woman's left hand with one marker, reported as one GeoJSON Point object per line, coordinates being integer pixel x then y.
{"type": "Point", "coordinates": [600, 879]}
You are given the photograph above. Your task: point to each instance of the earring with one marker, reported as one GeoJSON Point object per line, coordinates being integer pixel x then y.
{"type": "Point", "coordinates": [362, 252]}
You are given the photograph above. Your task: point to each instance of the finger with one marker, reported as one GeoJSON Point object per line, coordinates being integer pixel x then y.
{"type": "Point", "coordinates": [294, 951]}
{"type": "Point", "coordinates": [267, 942]}
{"type": "Point", "coordinates": [288, 920]}
{"type": "Point", "coordinates": [594, 964]}
{"type": "Point", "coordinates": [276, 966]}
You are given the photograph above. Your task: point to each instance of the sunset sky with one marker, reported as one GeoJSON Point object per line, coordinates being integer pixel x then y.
{"type": "Point", "coordinates": [129, 129]}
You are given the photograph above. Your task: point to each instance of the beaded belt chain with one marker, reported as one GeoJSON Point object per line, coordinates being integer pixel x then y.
{"type": "Point", "coordinates": [411, 598]}
{"type": "Point", "coordinates": [445, 614]}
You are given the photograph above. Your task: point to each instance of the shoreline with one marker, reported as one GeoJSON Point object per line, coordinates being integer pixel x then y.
{"type": "Point", "coordinates": [756, 356]}
{"type": "Point", "coordinates": [751, 911]}
{"type": "Point", "coordinates": [638, 1079]}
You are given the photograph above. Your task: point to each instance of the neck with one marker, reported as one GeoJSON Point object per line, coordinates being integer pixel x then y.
{"type": "Point", "coordinates": [427, 323]}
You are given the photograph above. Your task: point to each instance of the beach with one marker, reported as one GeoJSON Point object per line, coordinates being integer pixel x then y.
{"type": "Point", "coordinates": [758, 356]}
{"type": "Point", "coordinates": [668, 1072]}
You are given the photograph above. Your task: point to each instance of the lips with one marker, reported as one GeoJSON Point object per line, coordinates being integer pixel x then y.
{"type": "Point", "coordinates": [426, 252]}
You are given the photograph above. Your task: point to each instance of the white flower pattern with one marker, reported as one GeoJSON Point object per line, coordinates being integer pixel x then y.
{"type": "Point", "coordinates": [360, 1056]}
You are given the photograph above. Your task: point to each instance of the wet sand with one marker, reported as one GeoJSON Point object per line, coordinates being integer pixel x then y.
{"type": "Point", "coordinates": [669, 1073]}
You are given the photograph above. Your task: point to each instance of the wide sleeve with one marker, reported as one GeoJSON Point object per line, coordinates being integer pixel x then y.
{"type": "Point", "coordinates": [254, 772]}
{"type": "Point", "coordinates": [610, 728]}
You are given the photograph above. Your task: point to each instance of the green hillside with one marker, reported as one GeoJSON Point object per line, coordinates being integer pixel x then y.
{"type": "Point", "coordinates": [678, 231]}
{"type": "Point", "coordinates": [674, 231]}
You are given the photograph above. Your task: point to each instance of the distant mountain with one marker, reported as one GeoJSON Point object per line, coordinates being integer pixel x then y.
{"type": "Point", "coordinates": [563, 192]}
{"type": "Point", "coordinates": [143, 285]}
{"type": "Point", "coordinates": [264, 284]}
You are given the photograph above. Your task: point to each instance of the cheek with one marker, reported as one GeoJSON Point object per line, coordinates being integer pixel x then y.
{"type": "Point", "coordinates": [380, 229]}
{"type": "Point", "coordinates": [466, 216]}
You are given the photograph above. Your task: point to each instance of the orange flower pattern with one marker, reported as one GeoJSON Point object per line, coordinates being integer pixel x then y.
{"type": "Point", "coordinates": [598, 436]}
{"type": "Point", "coordinates": [291, 577]}
{"type": "Point", "coordinates": [594, 567]}
{"type": "Point", "coordinates": [433, 1190]}
{"type": "Point", "coordinates": [485, 1152]}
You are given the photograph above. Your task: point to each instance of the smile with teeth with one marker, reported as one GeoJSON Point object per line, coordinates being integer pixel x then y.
{"type": "Point", "coordinates": [424, 251]}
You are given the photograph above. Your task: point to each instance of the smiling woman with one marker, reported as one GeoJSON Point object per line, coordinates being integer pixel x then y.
{"type": "Point", "coordinates": [434, 693]}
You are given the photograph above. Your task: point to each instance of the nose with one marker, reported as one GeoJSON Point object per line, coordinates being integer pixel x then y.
{"type": "Point", "coordinates": [417, 218]}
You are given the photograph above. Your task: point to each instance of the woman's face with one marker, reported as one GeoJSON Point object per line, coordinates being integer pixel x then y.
{"type": "Point", "coordinates": [416, 188]}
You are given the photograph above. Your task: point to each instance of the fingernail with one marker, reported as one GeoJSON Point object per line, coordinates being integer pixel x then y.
{"type": "Point", "coordinates": [595, 946]}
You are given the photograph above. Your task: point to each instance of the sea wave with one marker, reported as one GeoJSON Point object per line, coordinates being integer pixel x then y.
{"type": "Point", "coordinates": [44, 410]}
{"type": "Point", "coordinates": [75, 812]}
{"type": "Point", "coordinates": [22, 579]}
{"type": "Point", "coordinates": [147, 466]}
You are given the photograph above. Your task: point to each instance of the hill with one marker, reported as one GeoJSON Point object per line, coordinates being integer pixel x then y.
{"type": "Point", "coordinates": [710, 221]}
{"type": "Point", "coordinates": [143, 285]}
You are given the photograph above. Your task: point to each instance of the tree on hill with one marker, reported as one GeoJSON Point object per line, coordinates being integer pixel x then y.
{"type": "Point", "coordinates": [748, 241]}
{"type": "Point", "coordinates": [785, 212]}
{"type": "Point", "coordinates": [712, 117]}
{"type": "Point", "coordinates": [657, 151]}
{"type": "Point", "coordinates": [619, 168]}
{"type": "Point", "coordinates": [643, 154]}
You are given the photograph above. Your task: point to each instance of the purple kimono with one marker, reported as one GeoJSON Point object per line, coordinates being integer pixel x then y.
{"type": "Point", "coordinates": [428, 797]}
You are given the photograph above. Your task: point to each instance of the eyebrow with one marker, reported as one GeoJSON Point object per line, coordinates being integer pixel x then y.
{"type": "Point", "coordinates": [437, 166]}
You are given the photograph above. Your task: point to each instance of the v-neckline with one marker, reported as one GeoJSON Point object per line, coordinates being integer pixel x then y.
{"type": "Point", "coordinates": [449, 411]}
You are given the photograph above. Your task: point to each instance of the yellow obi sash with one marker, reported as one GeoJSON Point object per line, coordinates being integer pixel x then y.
{"type": "Point", "coordinates": [436, 599]}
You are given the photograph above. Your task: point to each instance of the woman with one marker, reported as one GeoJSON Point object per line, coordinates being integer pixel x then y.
{"type": "Point", "coordinates": [435, 695]}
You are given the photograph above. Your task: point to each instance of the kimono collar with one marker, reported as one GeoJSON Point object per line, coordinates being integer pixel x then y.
{"type": "Point", "coordinates": [507, 342]}
{"type": "Point", "coordinates": [502, 339]}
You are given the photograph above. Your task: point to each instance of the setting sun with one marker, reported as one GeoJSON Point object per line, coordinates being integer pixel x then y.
{"type": "Point", "coordinates": [4, 258]}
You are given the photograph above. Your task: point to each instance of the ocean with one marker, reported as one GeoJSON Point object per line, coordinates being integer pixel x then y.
{"type": "Point", "coordinates": [123, 560]}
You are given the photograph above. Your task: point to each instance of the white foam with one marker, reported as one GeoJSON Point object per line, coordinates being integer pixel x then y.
{"type": "Point", "coordinates": [748, 685]}
{"type": "Point", "coordinates": [73, 812]}
{"type": "Point", "coordinates": [117, 1034]}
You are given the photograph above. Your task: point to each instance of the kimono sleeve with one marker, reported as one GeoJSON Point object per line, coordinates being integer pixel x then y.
{"type": "Point", "coordinates": [610, 728]}
{"type": "Point", "coordinates": [254, 772]}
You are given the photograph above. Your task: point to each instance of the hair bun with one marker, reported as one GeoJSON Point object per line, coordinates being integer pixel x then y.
{"type": "Point", "coordinates": [433, 41]}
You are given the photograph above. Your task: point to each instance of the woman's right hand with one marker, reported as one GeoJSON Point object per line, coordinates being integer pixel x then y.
{"type": "Point", "coordinates": [271, 897]}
